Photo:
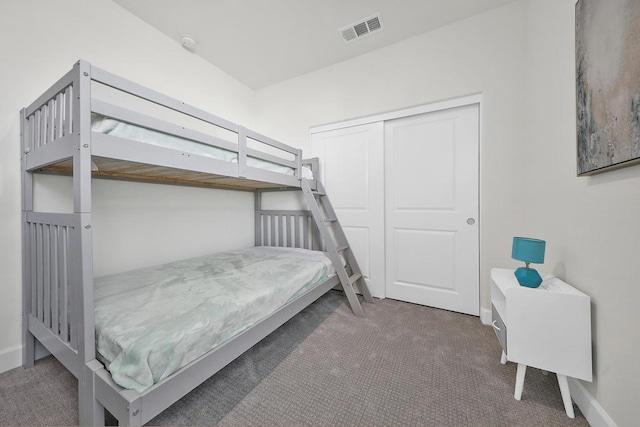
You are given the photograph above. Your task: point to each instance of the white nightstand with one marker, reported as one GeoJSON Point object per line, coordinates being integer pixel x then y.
{"type": "Point", "coordinates": [548, 327]}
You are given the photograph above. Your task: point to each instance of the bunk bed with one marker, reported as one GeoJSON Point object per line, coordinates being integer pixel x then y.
{"type": "Point", "coordinates": [69, 131]}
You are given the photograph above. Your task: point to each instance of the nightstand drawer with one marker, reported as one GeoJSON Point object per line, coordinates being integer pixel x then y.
{"type": "Point", "coordinates": [499, 327]}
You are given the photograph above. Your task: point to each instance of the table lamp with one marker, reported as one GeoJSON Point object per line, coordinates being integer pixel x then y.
{"type": "Point", "coordinates": [530, 251]}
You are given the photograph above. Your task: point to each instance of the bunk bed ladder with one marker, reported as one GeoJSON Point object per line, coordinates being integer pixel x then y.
{"type": "Point", "coordinates": [336, 245]}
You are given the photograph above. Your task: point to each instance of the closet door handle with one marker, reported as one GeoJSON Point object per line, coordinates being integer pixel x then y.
{"type": "Point", "coordinates": [471, 221]}
{"type": "Point", "coordinates": [495, 326]}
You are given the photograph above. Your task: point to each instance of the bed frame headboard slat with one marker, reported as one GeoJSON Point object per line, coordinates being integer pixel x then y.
{"type": "Point", "coordinates": [48, 273]}
{"type": "Point", "coordinates": [284, 228]}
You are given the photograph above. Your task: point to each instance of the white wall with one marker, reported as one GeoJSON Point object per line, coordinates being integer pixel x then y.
{"type": "Point", "coordinates": [521, 58]}
{"type": "Point", "coordinates": [590, 224]}
{"type": "Point", "coordinates": [483, 54]}
{"type": "Point", "coordinates": [134, 224]}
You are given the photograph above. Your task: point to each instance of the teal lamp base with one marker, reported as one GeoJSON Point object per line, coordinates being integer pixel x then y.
{"type": "Point", "coordinates": [528, 277]}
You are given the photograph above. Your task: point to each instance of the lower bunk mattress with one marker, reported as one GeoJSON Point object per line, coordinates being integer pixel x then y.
{"type": "Point", "coordinates": [153, 321]}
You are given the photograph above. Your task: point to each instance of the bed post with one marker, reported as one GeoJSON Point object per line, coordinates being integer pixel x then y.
{"type": "Point", "coordinates": [90, 411]}
{"type": "Point", "coordinates": [314, 164]}
{"type": "Point", "coordinates": [258, 217]}
{"type": "Point", "coordinates": [29, 344]}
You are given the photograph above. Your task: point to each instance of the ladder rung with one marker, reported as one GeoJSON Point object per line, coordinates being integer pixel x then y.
{"type": "Point", "coordinates": [342, 248]}
{"type": "Point", "coordinates": [318, 193]}
{"type": "Point", "coordinates": [354, 278]}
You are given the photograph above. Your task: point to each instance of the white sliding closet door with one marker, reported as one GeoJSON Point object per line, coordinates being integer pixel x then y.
{"type": "Point", "coordinates": [351, 162]}
{"type": "Point", "coordinates": [431, 170]}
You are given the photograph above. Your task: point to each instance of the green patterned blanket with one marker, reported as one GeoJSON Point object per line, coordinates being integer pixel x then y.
{"type": "Point", "coordinates": [153, 321]}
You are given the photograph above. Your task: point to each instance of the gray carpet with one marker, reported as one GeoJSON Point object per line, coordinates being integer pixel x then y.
{"type": "Point", "coordinates": [403, 364]}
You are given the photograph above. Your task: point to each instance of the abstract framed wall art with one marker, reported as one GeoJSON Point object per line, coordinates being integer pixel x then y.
{"type": "Point", "coordinates": [607, 84]}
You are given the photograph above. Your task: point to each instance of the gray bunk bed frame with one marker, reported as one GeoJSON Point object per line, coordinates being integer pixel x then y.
{"type": "Point", "coordinates": [58, 307]}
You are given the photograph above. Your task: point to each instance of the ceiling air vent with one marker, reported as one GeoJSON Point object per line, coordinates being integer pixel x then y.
{"type": "Point", "coordinates": [361, 28]}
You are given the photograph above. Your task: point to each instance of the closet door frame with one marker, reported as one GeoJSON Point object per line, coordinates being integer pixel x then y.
{"type": "Point", "coordinates": [406, 112]}
{"type": "Point", "coordinates": [422, 109]}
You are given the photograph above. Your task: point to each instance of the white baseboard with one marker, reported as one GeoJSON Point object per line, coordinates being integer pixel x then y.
{"type": "Point", "coordinates": [589, 406]}
{"type": "Point", "coordinates": [10, 358]}
{"type": "Point", "coordinates": [485, 316]}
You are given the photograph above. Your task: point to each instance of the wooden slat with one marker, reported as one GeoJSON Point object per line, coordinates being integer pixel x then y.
{"type": "Point", "coordinates": [33, 279]}
{"type": "Point", "coordinates": [284, 231]}
{"type": "Point", "coordinates": [281, 231]}
{"type": "Point", "coordinates": [305, 233]}
{"type": "Point", "coordinates": [148, 122]}
{"type": "Point", "coordinates": [46, 273]}
{"type": "Point", "coordinates": [38, 129]}
{"type": "Point", "coordinates": [257, 154]}
{"type": "Point", "coordinates": [71, 293]}
{"type": "Point", "coordinates": [59, 115]}
{"type": "Point", "coordinates": [273, 231]}
{"type": "Point", "coordinates": [39, 268]}
{"type": "Point", "coordinates": [55, 283]}
{"type": "Point", "coordinates": [30, 134]}
{"type": "Point", "coordinates": [43, 124]}
{"type": "Point", "coordinates": [288, 231]}
{"type": "Point", "coordinates": [299, 232]}
{"type": "Point", "coordinates": [63, 248]}
{"type": "Point", "coordinates": [265, 230]}
{"type": "Point", "coordinates": [67, 127]}
{"type": "Point", "coordinates": [53, 153]}
{"type": "Point", "coordinates": [273, 143]}
{"type": "Point", "coordinates": [288, 219]}
{"type": "Point", "coordinates": [51, 120]}
{"type": "Point", "coordinates": [41, 127]}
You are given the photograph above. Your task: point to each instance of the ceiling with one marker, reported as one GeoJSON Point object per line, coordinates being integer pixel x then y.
{"type": "Point", "coordinates": [262, 42]}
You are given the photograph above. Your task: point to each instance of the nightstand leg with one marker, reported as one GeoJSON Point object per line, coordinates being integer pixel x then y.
{"type": "Point", "coordinates": [503, 358]}
{"type": "Point", "coordinates": [522, 370]}
{"type": "Point", "coordinates": [566, 396]}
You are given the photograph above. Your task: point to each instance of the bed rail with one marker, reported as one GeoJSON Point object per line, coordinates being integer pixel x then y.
{"type": "Point", "coordinates": [241, 169]}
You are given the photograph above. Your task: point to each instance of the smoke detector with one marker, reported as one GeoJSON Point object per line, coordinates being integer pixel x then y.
{"type": "Point", "coordinates": [188, 42]}
{"type": "Point", "coordinates": [361, 28]}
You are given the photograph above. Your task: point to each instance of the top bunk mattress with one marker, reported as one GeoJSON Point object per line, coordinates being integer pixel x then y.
{"type": "Point", "coordinates": [110, 126]}
{"type": "Point", "coordinates": [153, 321]}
